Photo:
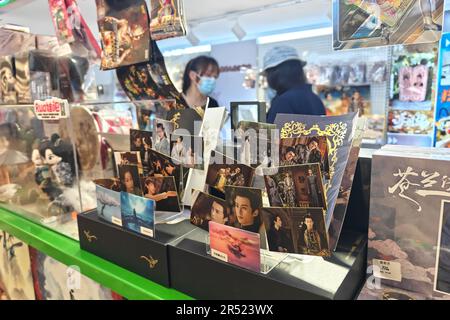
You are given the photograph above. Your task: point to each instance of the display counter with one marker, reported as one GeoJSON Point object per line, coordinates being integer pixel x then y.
{"type": "Point", "coordinates": [68, 252]}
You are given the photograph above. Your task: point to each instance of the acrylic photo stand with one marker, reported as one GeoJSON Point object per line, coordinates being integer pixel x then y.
{"type": "Point", "coordinates": [269, 260]}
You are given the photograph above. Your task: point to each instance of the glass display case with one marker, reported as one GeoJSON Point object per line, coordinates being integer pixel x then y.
{"type": "Point", "coordinates": [38, 166]}
{"type": "Point", "coordinates": [47, 167]}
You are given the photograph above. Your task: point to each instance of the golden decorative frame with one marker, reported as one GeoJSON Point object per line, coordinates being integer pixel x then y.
{"type": "Point", "coordinates": [335, 133]}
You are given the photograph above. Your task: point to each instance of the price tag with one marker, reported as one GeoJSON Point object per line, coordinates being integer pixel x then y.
{"type": "Point", "coordinates": [387, 270]}
{"type": "Point", "coordinates": [51, 109]}
{"type": "Point", "coordinates": [117, 221]}
{"type": "Point", "coordinates": [147, 232]}
{"type": "Point", "coordinates": [219, 255]}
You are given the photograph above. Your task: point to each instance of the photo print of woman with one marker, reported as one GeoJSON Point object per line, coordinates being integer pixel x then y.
{"type": "Point", "coordinates": [163, 191]}
{"type": "Point", "coordinates": [129, 179]}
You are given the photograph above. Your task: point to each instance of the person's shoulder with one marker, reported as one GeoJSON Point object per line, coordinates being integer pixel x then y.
{"type": "Point", "coordinates": [213, 103]}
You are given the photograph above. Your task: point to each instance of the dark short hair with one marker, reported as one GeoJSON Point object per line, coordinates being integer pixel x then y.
{"type": "Point", "coordinates": [313, 140]}
{"type": "Point", "coordinates": [250, 194]}
{"type": "Point", "coordinates": [290, 149]}
{"type": "Point", "coordinates": [199, 65]}
{"type": "Point", "coordinates": [286, 76]}
{"type": "Point", "coordinates": [308, 216]}
{"type": "Point", "coordinates": [225, 209]}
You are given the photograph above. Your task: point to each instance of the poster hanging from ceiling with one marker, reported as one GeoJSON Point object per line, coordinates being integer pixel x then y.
{"type": "Point", "coordinates": [363, 23]}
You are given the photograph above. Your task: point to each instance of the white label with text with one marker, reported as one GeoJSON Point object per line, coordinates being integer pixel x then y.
{"type": "Point", "coordinates": [117, 221]}
{"type": "Point", "coordinates": [387, 270]}
{"type": "Point", "coordinates": [219, 255]}
{"type": "Point", "coordinates": [147, 232]}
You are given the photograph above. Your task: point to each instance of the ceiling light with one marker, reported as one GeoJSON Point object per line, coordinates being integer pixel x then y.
{"type": "Point", "coordinates": [238, 31]}
{"type": "Point", "coordinates": [186, 51]}
{"type": "Point", "coordinates": [295, 35]}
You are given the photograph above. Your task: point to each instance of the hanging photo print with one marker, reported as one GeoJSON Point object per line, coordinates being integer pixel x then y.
{"type": "Point", "coordinates": [167, 19]}
{"type": "Point", "coordinates": [363, 24]}
{"type": "Point", "coordinates": [124, 30]}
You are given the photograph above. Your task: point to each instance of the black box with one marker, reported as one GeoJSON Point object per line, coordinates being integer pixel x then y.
{"type": "Point", "coordinates": [134, 252]}
{"type": "Point", "coordinates": [340, 277]}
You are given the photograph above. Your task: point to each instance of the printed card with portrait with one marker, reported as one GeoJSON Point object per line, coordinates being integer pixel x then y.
{"type": "Point", "coordinates": [224, 171]}
{"type": "Point", "coordinates": [187, 151]}
{"type": "Point", "coordinates": [245, 206]}
{"type": "Point", "coordinates": [163, 191]}
{"type": "Point", "coordinates": [208, 208]}
{"type": "Point", "coordinates": [298, 186]}
{"type": "Point", "coordinates": [296, 230]}
{"type": "Point", "coordinates": [305, 150]}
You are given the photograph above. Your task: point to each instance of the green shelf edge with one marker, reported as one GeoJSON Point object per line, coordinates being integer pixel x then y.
{"type": "Point", "coordinates": [68, 252]}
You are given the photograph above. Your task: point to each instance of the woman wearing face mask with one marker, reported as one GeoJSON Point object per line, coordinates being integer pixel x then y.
{"type": "Point", "coordinates": [199, 82]}
{"type": "Point", "coordinates": [287, 85]}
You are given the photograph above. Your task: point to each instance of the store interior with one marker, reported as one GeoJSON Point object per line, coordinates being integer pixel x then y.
{"type": "Point", "coordinates": [115, 185]}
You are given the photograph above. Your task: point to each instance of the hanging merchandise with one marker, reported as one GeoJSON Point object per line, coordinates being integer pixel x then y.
{"type": "Point", "coordinates": [443, 95]}
{"type": "Point", "coordinates": [411, 101]}
{"type": "Point", "coordinates": [363, 24]}
{"type": "Point", "coordinates": [150, 81]}
{"type": "Point", "coordinates": [22, 83]}
{"type": "Point", "coordinates": [137, 83]}
{"type": "Point", "coordinates": [167, 19]}
{"type": "Point", "coordinates": [160, 75]}
{"type": "Point", "coordinates": [124, 29]}
{"type": "Point", "coordinates": [61, 21]}
{"type": "Point", "coordinates": [84, 44]}
{"type": "Point", "coordinates": [7, 81]}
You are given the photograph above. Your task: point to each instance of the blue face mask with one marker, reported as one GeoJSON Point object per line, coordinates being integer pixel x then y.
{"type": "Point", "coordinates": [206, 85]}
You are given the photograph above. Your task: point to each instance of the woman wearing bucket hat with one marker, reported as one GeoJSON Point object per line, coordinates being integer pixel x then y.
{"type": "Point", "coordinates": [284, 71]}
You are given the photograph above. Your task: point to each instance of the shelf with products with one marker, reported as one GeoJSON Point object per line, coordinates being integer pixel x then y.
{"type": "Point", "coordinates": [47, 166]}
{"type": "Point", "coordinates": [68, 252]}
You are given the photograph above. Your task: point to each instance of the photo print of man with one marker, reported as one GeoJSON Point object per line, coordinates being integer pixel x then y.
{"type": "Point", "coordinates": [278, 226]}
{"type": "Point", "coordinates": [245, 207]}
{"type": "Point", "coordinates": [208, 208]}
{"type": "Point", "coordinates": [129, 179]}
{"type": "Point", "coordinates": [141, 141]}
{"type": "Point", "coordinates": [305, 150]}
{"type": "Point", "coordinates": [298, 186]}
{"type": "Point", "coordinates": [224, 171]}
{"type": "Point", "coordinates": [296, 230]}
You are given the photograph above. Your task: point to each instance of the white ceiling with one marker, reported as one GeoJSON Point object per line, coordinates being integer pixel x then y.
{"type": "Point", "coordinates": [211, 20]}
